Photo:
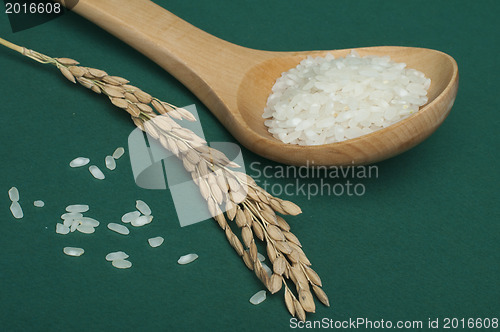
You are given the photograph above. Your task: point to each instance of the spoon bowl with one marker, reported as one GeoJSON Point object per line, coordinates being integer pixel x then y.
{"type": "Point", "coordinates": [234, 82]}
{"type": "Point", "coordinates": [379, 145]}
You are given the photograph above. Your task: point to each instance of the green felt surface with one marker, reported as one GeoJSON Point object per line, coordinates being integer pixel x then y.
{"type": "Point", "coordinates": [422, 242]}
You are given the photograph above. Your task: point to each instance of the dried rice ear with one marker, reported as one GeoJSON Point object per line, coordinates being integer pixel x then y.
{"type": "Point", "coordinates": [250, 207]}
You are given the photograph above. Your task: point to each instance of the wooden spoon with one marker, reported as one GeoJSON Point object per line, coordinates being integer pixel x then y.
{"type": "Point", "coordinates": [234, 82]}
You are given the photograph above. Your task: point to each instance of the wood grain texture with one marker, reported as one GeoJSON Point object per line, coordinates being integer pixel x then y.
{"type": "Point", "coordinates": [234, 82]}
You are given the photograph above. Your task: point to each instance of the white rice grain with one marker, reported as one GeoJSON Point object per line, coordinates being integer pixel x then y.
{"type": "Point", "coordinates": [71, 216]}
{"type": "Point", "coordinates": [61, 229]}
{"type": "Point", "coordinates": [258, 297]}
{"type": "Point", "coordinates": [156, 241]}
{"type": "Point", "coordinates": [67, 222]}
{"type": "Point", "coordinates": [39, 203]}
{"type": "Point", "coordinates": [121, 263]}
{"type": "Point", "coordinates": [110, 163]}
{"type": "Point", "coordinates": [85, 229]}
{"type": "Point", "coordinates": [117, 255]}
{"type": "Point", "coordinates": [130, 216]}
{"type": "Point", "coordinates": [74, 225]}
{"type": "Point", "coordinates": [118, 153]}
{"type": "Point", "coordinates": [186, 259]}
{"type": "Point", "coordinates": [79, 162]}
{"type": "Point", "coordinates": [86, 221]}
{"type": "Point", "coordinates": [141, 221]}
{"type": "Point", "coordinates": [143, 207]}
{"type": "Point", "coordinates": [72, 251]}
{"type": "Point", "coordinates": [77, 208]}
{"type": "Point", "coordinates": [261, 257]}
{"type": "Point", "coordinates": [96, 172]}
{"type": "Point", "coordinates": [121, 229]}
{"type": "Point", "coordinates": [14, 194]}
{"type": "Point", "coordinates": [16, 210]}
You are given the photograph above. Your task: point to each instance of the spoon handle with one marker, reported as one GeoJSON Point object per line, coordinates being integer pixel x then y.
{"type": "Point", "coordinates": [197, 59]}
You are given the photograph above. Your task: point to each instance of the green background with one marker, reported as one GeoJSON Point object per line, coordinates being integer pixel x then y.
{"type": "Point", "coordinates": [423, 242]}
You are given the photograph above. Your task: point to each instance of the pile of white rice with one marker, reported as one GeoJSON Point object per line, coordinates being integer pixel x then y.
{"type": "Point", "coordinates": [328, 100]}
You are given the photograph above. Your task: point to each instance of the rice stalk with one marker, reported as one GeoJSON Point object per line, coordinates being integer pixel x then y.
{"type": "Point", "coordinates": [247, 205]}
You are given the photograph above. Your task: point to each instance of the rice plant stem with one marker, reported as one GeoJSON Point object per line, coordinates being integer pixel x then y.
{"type": "Point", "coordinates": [12, 46]}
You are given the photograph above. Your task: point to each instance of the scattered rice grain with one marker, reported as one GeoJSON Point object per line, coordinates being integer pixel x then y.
{"type": "Point", "coordinates": [141, 221]}
{"type": "Point", "coordinates": [186, 259]}
{"type": "Point", "coordinates": [14, 194]}
{"type": "Point", "coordinates": [61, 229]}
{"type": "Point", "coordinates": [71, 216]}
{"type": "Point", "coordinates": [85, 229]}
{"type": "Point", "coordinates": [121, 229]}
{"type": "Point", "coordinates": [110, 163]}
{"type": "Point", "coordinates": [96, 172]}
{"type": "Point", "coordinates": [258, 297]}
{"type": "Point", "coordinates": [86, 221]}
{"type": "Point", "coordinates": [39, 203]}
{"type": "Point", "coordinates": [130, 216]}
{"type": "Point", "coordinates": [77, 208]}
{"type": "Point", "coordinates": [79, 162]}
{"type": "Point", "coordinates": [143, 207]}
{"type": "Point", "coordinates": [74, 225]}
{"type": "Point", "coordinates": [16, 210]}
{"type": "Point", "coordinates": [72, 251]}
{"type": "Point", "coordinates": [117, 255]}
{"type": "Point", "coordinates": [118, 153]}
{"type": "Point", "coordinates": [121, 264]}
{"type": "Point", "coordinates": [156, 241]}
